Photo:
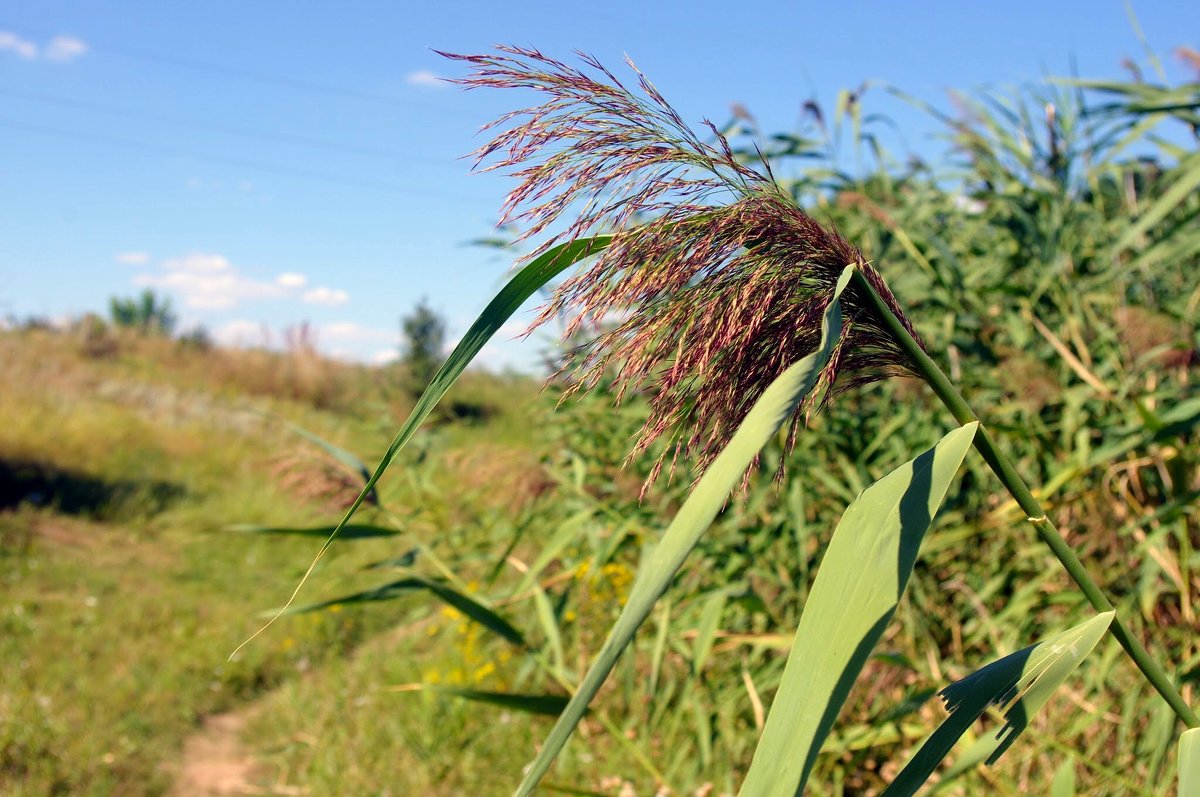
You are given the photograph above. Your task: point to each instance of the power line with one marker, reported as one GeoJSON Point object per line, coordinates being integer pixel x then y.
{"type": "Point", "coordinates": [284, 138]}
{"type": "Point", "coordinates": [157, 149]}
{"type": "Point", "coordinates": [283, 81]}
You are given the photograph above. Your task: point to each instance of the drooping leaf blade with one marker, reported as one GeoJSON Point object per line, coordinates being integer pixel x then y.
{"type": "Point", "coordinates": [544, 704]}
{"type": "Point", "coordinates": [862, 577]}
{"type": "Point", "coordinates": [464, 603]}
{"type": "Point", "coordinates": [351, 531]}
{"type": "Point", "coordinates": [660, 565]}
{"type": "Point", "coordinates": [1019, 683]}
{"type": "Point", "coordinates": [524, 284]}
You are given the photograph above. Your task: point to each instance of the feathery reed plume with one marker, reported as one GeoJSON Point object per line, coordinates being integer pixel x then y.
{"type": "Point", "coordinates": [717, 279]}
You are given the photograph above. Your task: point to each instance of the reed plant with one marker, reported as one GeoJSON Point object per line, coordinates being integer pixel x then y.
{"type": "Point", "coordinates": [704, 288]}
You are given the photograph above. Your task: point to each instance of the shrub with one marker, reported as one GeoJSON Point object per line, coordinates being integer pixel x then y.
{"type": "Point", "coordinates": [148, 313]}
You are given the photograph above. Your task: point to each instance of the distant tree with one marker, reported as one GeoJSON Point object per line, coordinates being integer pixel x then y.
{"type": "Point", "coordinates": [196, 338]}
{"type": "Point", "coordinates": [147, 313]}
{"type": "Point", "coordinates": [424, 334]}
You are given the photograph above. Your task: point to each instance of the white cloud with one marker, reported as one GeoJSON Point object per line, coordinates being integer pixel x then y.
{"type": "Point", "coordinates": [22, 48]}
{"type": "Point", "coordinates": [384, 356]}
{"type": "Point", "coordinates": [133, 258]}
{"type": "Point", "coordinates": [210, 282]}
{"type": "Point", "coordinates": [64, 49]}
{"type": "Point", "coordinates": [327, 296]}
{"type": "Point", "coordinates": [426, 79]}
{"type": "Point", "coordinates": [200, 263]}
{"type": "Point", "coordinates": [291, 280]}
{"type": "Point", "coordinates": [61, 49]}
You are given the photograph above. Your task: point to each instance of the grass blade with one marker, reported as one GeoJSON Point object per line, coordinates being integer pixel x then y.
{"type": "Point", "coordinates": [544, 704]}
{"type": "Point", "coordinates": [764, 420]}
{"type": "Point", "coordinates": [862, 577]}
{"type": "Point", "coordinates": [1019, 683]}
{"type": "Point", "coordinates": [350, 531]}
{"type": "Point", "coordinates": [527, 281]}
{"type": "Point", "coordinates": [461, 601]}
{"type": "Point", "coordinates": [550, 630]}
{"type": "Point", "coordinates": [706, 631]}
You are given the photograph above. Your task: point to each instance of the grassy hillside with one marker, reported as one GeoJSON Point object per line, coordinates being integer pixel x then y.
{"type": "Point", "coordinates": [124, 591]}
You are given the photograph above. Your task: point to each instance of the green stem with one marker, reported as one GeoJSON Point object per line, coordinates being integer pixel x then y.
{"type": "Point", "coordinates": [1003, 467]}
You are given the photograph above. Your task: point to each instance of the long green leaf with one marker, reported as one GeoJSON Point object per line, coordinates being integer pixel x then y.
{"type": "Point", "coordinates": [862, 577]}
{"type": "Point", "coordinates": [524, 284]}
{"type": "Point", "coordinates": [1019, 683]}
{"type": "Point", "coordinates": [546, 704]}
{"type": "Point", "coordinates": [764, 420]}
{"type": "Point", "coordinates": [461, 601]}
{"type": "Point", "coordinates": [1189, 762]}
{"type": "Point", "coordinates": [350, 531]}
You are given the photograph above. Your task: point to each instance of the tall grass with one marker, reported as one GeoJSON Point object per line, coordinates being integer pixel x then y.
{"type": "Point", "coordinates": [1055, 280]}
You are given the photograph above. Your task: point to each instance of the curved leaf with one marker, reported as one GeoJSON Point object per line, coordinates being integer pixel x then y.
{"type": "Point", "coordinates": [1019, 683]}
{"type": "Point", "coordinates": [349, 531]}
{"type": "Point", "coordinates": [862, 577]}
{"type": "Point", "coordinates": [546, 704]}
{"type": "Point", "coordinates": [461, 601]}
{"type": "Point", "coordinates": [534, 275]}
{"type": "Point", "coordinates": [659, 567]}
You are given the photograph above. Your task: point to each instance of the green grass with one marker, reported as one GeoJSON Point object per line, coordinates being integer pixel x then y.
{"type": "Point", "coordinates": [123, 591]}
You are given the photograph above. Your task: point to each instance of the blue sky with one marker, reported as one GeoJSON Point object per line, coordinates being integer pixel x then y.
{"type": "Point", "coordinates": [270, 163]}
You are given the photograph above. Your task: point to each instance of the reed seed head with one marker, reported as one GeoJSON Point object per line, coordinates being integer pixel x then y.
{"type": "Point", "coordinates": [715, 281]}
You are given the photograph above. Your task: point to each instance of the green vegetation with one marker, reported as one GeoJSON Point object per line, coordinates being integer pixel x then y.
{"type": "Point", "coordinates": [791, 624]}
{"type": "Point", "coordinates": [1039, 269]}
{"type": "Point", "coordinates": [124, 591]}
{"type": "Point", "coordinates": [424, 333]}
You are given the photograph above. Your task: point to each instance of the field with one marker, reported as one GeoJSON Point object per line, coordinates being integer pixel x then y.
{"type": "Point", "coordinates": [158, 499]}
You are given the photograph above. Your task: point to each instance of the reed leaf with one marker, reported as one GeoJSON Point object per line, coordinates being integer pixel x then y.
{"type": "Point", "coordinates": [470, 607]}
{"type": "Point", "coordinates": [349, 531]}
{"type": "Point", "coordinates": [515, 293]}
{"type": "Point", "coordinates": [858, 587]}
{"type": "Point", "coordinates": [543, 704]}
{"type": "Point", "coordinates": [773, 409]}
{"type": "Point", "coordinates": [1019, 683]}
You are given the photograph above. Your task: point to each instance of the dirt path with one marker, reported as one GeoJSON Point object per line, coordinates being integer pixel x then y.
{"type": "Point", "coordinates": [214, 763]}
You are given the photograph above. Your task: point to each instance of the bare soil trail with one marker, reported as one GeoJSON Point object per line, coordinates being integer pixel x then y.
{"type": "Point", "coordinates": [214, 762]}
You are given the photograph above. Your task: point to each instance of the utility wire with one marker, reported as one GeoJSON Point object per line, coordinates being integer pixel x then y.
{"type": "Point", "coordinates": [284, 138]}
{"type": "Point", "coordinates": [156, 149]}
{"type": "Point", "coordinates": [284, 81]}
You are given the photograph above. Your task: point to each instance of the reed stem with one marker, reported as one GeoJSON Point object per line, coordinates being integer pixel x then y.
{"type": "Point", "coordinates": [1004, 469]}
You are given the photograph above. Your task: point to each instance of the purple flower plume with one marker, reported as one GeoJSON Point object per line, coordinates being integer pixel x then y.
{"type": "Point", "coordinates": [716, 278]}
